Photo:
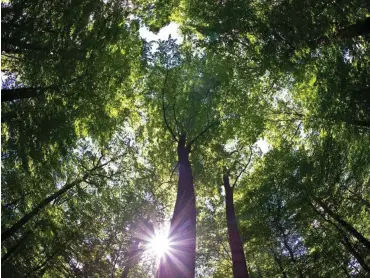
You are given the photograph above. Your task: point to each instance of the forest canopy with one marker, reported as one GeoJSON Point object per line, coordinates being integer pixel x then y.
{"type": "Point", "coordinates": [238, 147]}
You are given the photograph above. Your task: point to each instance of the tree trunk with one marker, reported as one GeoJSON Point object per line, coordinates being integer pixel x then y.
{"type": "Point", "coordinates": [348, 227]}
{"type": "Point", "coordinates": [347, 244]}
{"type": "Point", "coordinates": [280, 264]}
{"type": "Point", "coordinates": [133, 258]}
{"type": "Point", "coordinates": [345, 271]}
{"type": "Point", "coordinates": [358, 198]}
{"type": "Point", "coordinates": [235, 241]}
{"type": "Point", "coordinates": [360, 123]}
{"type": "Point", "coordinates": [20, 93]}
{"type": "Point", "coordinates": [291, 255]}
{"type": "Point", "coordinates": [180, 261]}
{"type": "Point", "coordinates": [25, 219]}
{"type": "Point", "coordinates": [15, 247]}
{"type": "Point", "coordinates": [360, 28]}
{"type": "Point", "coordinates": [125, 271]}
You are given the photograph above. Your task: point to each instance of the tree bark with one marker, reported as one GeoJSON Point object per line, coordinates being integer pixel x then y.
{"type": "Point", "coordinates": [180, 261]}
{"type": "Point", "coordinates": [25, 219]}
{"type": "Point", "coordinates": [235, 241]}
{"type": "Point", "coordinates": [348, 227]}
{"type": "Point", "coordinates": [21, 93]}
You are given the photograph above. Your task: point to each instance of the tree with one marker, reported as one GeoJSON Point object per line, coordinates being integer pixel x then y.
{"type": "Point", "coordinates": [107, 139]}
{"type": "Point", "coordinates": [57, 90]}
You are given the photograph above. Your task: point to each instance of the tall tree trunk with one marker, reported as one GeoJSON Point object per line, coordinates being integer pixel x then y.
{"type": "Point", "coordinates": [345, 271]}
{"type": "Point", "coordinates": [133, 258]}
{"type": "Point", "coordinates": [348, 227]}
{"type": "Point", "coordinates": [280, 264]}
{"type": "Point", "coordinates": [347, 244]}
{"type": "Point", "coordinates": [291, 255]}
{"type": "Point", "coordinates": [235, 241]}
{"type": "Point", "coordinates": [15, 247]}
{"type": "Point", "coordinates": [360, 28]}
{"type": "Point", "coordinates": [180, 261]}
{"type": "Point", "coordinates": [21, 93]}
{"type": "Point", "coordinates": [359, 123]}
{"type": "Point", "coordinates": [25, 219]}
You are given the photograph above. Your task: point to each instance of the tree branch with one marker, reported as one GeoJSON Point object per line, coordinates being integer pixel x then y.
{"type": "Point", "coordinates": [245, 167]}
{"type": "Point", "coordinates": [202, 133]}
{"type": "Point", "coordinates": [164, 110]}
{"type": "Point", "coordinates": [176, 122]}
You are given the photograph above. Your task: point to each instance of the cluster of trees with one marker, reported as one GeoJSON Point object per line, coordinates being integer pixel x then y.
{"type": "Point", "coordinates": [106, 137]}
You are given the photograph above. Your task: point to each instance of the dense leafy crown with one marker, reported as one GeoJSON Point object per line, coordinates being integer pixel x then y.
{"type": "Point", "coordinates": [275, 95]}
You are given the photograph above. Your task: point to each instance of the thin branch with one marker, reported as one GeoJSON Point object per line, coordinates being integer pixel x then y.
{"type": "Point", "coordinates": [176, 122]}
{"type": "Point", "coordinates": [226, 251]}
{"type": "Point", "coordinates": [202, 133]}
{"type": "Point", "coordinates": [235, 161]}
{"type": "Point", "coordinates": [173, 171]}
{"type": "Point", "coordinates": [296, 131]}
{"type": "Point", "coordinates": [164, 109]}
{"type": "Point", "coordinates": [245, 167]}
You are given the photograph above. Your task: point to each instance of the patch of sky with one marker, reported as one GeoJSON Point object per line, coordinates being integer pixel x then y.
{"type": "Point", "coordinates": [171, 29]}
{"type": "Point", "coordinates": [263, 145]}
{"type": "Point", "coordinates": [347, 56]}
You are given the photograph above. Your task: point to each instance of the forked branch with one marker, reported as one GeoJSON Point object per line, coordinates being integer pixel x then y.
{"type": "Point", "coordinates": [244, 168]}
{"type": "Point", "coordinates": [202, 133]}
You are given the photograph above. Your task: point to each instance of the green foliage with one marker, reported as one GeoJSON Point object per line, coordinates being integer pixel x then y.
{"type": "Point", "coordinates": [88, 103]}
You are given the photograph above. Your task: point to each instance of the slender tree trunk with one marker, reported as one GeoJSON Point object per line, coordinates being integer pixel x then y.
{"type": "Point", "coordinates": [20, 93]}
{"type": "Point", "coordinates": [14, 202]}
{"type": "Point", "coordinates": [359, 123]}
{"type": "Point", "coordinates": [348, 227]}
{"type": "Point", "coordinates": [180, 262]}
{"type": "Point", "coordinates": [280, 264]}
{"type": "Point", "coordinates": [125, 271]}
{"type": "Point", "coordinates": [360, 28]}
{"type": "Point", "coordinates": [41, 268]}
{"type": "Point", "coordinates": [25, 219]}
{"type": "Point", "coordinates": [291, 254]}
{"type": "Point", "coordinates": [9, 117]}
{"type": "Point", "coordinates": [15, 247]}
{"type": "Point", "coordinates": [358, 198]}
{"type": "Point", "coordinates": [133, 258]}
{"type": "Point", "coordinates": [347, 244]}
{"type": "Point", "coordinates": [235, 241]}
{"type": "Point", "coordinates": [345, 271]}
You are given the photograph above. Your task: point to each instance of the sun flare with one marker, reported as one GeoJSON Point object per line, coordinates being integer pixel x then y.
{"type": "Point", "coordinates": [159, 244]}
